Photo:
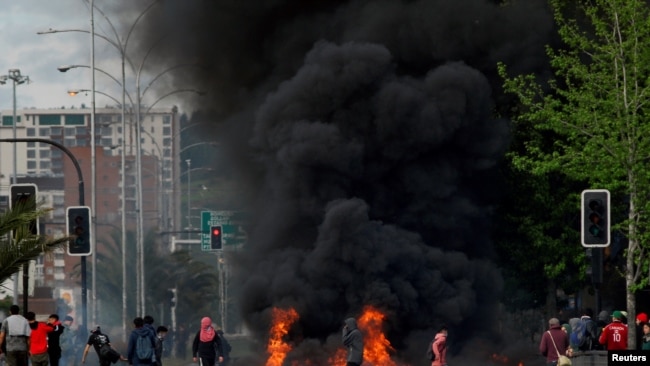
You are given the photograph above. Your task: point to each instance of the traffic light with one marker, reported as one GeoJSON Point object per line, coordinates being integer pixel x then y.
{"type": "Point", "coordinates": [595, 223]}
{"type": "Point", "coordinates": [79, 226]}
{"type": "Point", "coordinates": [24, 194]}
{"type": "Point", "coordinates": [215, 237]}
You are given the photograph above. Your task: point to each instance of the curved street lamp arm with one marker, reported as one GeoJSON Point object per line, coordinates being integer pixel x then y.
{"type": "Point", "coordinates": [110, 76]}
{"type": "Point", "coordinates": [75, 91]}
{"type": "Point", "coordinates": [162, 73]}
{"type": "Point", "coordinates": [52, 31]}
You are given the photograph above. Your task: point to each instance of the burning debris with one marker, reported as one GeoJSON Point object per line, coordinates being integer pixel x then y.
{"type": "Point", "coordinates": [377, 349]}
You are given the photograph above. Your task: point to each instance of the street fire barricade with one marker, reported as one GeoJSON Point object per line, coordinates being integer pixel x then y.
{"type": "Point", "coordinates": [589, 358]}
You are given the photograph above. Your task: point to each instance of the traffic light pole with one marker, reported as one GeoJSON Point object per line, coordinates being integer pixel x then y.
{"type": "Point", "coordinates": [84, 290]}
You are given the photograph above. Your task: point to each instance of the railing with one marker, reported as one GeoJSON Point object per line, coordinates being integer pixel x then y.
{"type": "Point", "coordinates": [589, 358]}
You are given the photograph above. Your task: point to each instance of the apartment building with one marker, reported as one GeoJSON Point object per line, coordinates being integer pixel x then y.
{"type": "Point", "coordinates": [39, 162]}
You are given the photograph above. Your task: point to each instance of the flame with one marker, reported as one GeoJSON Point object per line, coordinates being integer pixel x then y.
{"type": "Point", "coordinates": [277, 347]}
{"type": "Point", "coordinates": [376, 350]}
{"type": "Point", "coordinates": [375, 346]}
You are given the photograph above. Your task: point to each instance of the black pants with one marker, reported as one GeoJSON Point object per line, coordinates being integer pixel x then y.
{"type": "Point", "coordinates": [352, 364]}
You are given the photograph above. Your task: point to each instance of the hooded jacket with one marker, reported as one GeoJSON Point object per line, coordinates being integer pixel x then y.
{"type": "Point", "coordinates": [353, 341]}
{"type": "Point", "coordinates": [133, 341]}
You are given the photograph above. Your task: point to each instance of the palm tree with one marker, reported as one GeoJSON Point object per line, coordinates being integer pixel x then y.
{"type": "Point", "coordinates": [18, 245]}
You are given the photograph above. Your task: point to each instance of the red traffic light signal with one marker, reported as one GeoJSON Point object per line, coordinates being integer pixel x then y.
{"type": "Point", "coordinates": [215, 237]}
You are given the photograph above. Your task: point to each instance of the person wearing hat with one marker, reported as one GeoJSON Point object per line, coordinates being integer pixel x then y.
{"type": "Point", "coordinates": [554, 342]}
{"type": "Point", "coordinates": [614, 335]}
{"type": "Point", "coordinates": [641, 318]}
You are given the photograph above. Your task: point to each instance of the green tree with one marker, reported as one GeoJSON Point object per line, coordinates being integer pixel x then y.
{"type": "Point", "coordinates": [593, 113]}
{"type": "Point", "coordinates": [26, 246]}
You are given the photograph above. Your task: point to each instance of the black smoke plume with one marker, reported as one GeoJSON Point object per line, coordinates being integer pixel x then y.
{"type": "Point", "coordinates": [365, 134]}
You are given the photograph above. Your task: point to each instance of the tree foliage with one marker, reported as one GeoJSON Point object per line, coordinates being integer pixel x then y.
{"type": "Point", "coordinates": [18, 245]}
{"type": "Point", "coordinates": [590, 118]}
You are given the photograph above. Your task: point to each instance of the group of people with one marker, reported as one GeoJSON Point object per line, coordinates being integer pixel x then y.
{"type": "Point", "coordinates": [146, 344]}
{"type": "Point", "coordinates": [586, 334]}
{"type": "Point", "coordinates": [24, 339]}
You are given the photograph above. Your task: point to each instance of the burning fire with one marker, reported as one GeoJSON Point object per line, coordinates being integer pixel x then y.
{"type": "Point", "coordinates": [375, 344]}
{"type": "Point", "coordinates": [376, 350]}
{"type": "Point", "coordinates": [277, 347]}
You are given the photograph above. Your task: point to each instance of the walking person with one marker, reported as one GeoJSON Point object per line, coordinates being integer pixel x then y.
{"type": "Point", "coordinates": [353, 342]}
{"type": "Point", "coordinates": [207, 345]}
{"type": "Point", "coordinates": [439, 347]}
{"type": "Point", "coordinates": [54, 339]}
{"type": "Point", "coordinates": [161, 333]}
{"type": "Point", "coordinates": [38, 340]}
{"type": "Point", "coordinates": [554, 342]}
{"type": "Point", "coordinates": [142, 344]}
{"type": "Point", "coordinates": [15, 333]}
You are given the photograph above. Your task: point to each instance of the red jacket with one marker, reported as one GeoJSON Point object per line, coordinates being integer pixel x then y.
{"type": "Point", "coordinates": [614, 336]}
{"type": "Point", "coordinates": [38, 339]}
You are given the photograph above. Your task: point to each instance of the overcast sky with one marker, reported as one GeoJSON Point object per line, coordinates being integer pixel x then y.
{"type": "Point", "coordinates": [38, 56]}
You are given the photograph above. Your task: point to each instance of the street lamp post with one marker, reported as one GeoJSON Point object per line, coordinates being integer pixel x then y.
{"type": "Point", "coordinates": [189, 194]}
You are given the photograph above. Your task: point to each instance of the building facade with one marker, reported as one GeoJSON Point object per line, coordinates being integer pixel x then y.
{"type": "Point", "coordinates": [40, 162]}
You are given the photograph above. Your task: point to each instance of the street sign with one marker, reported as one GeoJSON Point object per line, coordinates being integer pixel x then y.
{"type": "Point", "coordinates": [232, 225]}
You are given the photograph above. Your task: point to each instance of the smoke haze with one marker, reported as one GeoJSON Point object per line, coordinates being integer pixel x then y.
{"type": "Point", "coordinates": [364, 133]}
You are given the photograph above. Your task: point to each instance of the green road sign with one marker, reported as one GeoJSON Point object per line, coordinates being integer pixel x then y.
{"type": "Point", "coordinates": [232, 224]}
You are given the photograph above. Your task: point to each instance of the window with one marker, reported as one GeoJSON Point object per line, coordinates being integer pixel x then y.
{"type": "Point", "coordinates": [8, 120]}
{"type": "Point", "coordinates": [31, 144]}
{"type": "Point", "coordinates": [49, 120]}
{"type": "Point", "coordinates": [81, 131]}
{"type": "Point", "coordinates": [167, 131]}
{"type": "Point", "coordinates": [31, 154]}
{"type": "Point", "coordinates": [44, 132]}
{"type": "Point", "coordinates": [31, 132]}
{"type": "Point", "coordinates": [31, 164]}
{"type": "Point", "coordinates": [167, 119]}
{"type": "Point", "coordinates": [75, 119]}
{"type": "Point", "coordinates": [56, 131]}
{"type": "Point", "coordinates": [69, 131]}
{"type": "Point", "coordinates": [45, 164]}
{"type": "Point", "coordinates": [44, 154]}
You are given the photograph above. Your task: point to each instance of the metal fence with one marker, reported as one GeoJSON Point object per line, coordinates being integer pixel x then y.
{"type": "Point", "coordinates": [589, 358]}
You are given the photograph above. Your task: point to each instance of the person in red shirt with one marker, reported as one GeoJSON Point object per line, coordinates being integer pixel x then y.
{"type": "Point", "coordinates": [614, 335]}
{"type": "Point", "coordinates": [38, 340]}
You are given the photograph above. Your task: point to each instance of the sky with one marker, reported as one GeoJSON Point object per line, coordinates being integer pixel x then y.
{"type": "Point", "coordinates": [39, 56]}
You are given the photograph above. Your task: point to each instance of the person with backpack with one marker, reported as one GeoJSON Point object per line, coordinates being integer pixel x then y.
{"type": "Point", "coordinates": [142, 344]}
{"type": "Point", "coordinates": [584, 334]}
{"type": "Point", "coordinates": [207, 345]}
{"type": "Point", "coordinates": [439, 347]}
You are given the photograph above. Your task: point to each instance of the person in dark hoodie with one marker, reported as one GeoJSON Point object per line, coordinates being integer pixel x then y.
{"type": "Point", "coordinates": [133, 354]}
{"type": "Point", "coordinates": [148, 323]}
{"type": "Point", "coordinates": [353, 341]}
{"type": "Point", "coordinates": [205, 343]}
{"type": "Point", "coordinates": [53, 339]}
